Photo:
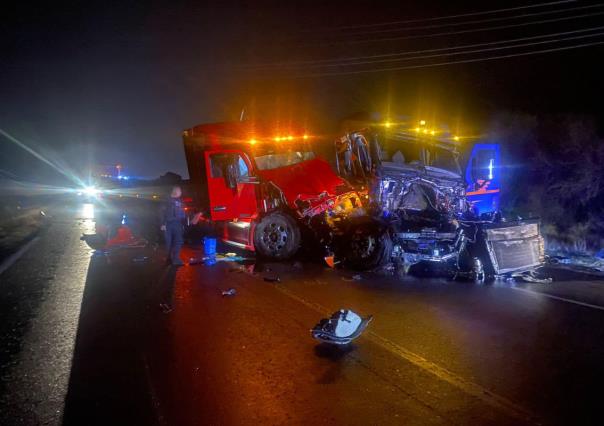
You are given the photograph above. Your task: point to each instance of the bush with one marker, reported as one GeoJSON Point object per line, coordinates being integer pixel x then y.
{"type": "Point", "coordinates": [560, 179]}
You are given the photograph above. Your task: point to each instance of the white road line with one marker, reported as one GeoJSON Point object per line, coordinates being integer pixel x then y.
{"type": "Point", "coordinates": [499, 402]}
{"type": "Point", "coordinates": [563, 299]}
{"type": "Point", "coordinates": [15, 256]}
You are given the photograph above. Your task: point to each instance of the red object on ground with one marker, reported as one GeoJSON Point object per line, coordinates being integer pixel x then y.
{"type": "Point", "coordinates": [123, 237]}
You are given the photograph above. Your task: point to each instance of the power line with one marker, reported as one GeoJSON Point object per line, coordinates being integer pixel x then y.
{"type": "Point", "coordinates": [463, 52]}
{"type": "Point", "coordinates": [462, 15]}
{"type": "Point", "coordinates": [478, 21]}
{"type": "Point", "coordinates": [461, 61]}
{"type": "Point", "coordinates": [473, 30]}
{"type": "Point", "coordinates": [395, 54]}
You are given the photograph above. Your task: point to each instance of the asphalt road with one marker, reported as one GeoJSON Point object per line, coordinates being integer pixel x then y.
{"type": "Point", "coordinates": [83, 341]}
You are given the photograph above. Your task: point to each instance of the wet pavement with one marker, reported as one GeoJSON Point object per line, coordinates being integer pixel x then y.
{"type": "Point", "coordinates": [84, 341]}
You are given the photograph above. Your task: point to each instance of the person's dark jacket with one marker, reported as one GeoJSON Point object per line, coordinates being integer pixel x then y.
{"type": "Point", "coordinates": [172, 211]}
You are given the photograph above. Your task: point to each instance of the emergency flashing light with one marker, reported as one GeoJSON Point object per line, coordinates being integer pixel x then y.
{"type": "Point", "coordinates": [456, 138]}
{"type": "Point", "coordinates": [290, 138]}
{"type": "Point", "coordinates": [277, 139]}
{"type": "Point", "coordinates": [387, 124]}
{"type": "Point", "coordinates": [422, 122]}
{"type": "Point", "coordinates": [252, 141]}
{"type": "Point", "coordinates": [305, 137]}
{"type": "Point", "coordinates": [417, 129]}
{"type": "Point", "coordinates": [432, 132]}
{"type": "Point", "coordinates": [425, 130]}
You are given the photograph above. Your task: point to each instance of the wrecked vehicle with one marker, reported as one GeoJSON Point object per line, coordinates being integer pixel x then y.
{"type": "Point", "coordinates": [262, 188]}
{"type": "Point", "coordinates": [431, 213]}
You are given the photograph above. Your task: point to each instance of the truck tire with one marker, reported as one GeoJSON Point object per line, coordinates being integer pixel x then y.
{"type": "Point", "coordinates": [368, 248]}
{"type": "Point", "coordinates": [277, 236]}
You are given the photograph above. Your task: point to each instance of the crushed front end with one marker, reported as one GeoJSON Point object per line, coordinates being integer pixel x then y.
{"type": "Point", "coordinates": [430, 213]}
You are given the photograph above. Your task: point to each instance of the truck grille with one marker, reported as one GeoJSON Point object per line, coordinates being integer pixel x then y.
{"type": "Point", "coordinates": [516, 248]}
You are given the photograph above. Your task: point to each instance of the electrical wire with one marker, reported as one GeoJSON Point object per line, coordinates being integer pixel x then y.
{"type": "Point", "coordinates": [478, 21]}
{"type": "Point", "coordinates": [463, 52]}
{"type": "Point", "coordinates": [462, 61]}
{"type": "Point", "coordinates": [344, 61]}
{"type": "Point", "coordinates": [468, 31]}
{"type": "Point", "coordinates": [438, 18]}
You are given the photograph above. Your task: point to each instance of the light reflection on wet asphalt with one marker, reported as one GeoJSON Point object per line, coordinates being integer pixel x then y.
{"type": "Point", "coordinates": [49, 281]}
{"type": "Point", "coordinates": [432, 348]}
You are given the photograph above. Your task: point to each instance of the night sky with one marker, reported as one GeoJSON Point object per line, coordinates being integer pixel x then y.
{"type": "Point", "coordinates": [85, 83]}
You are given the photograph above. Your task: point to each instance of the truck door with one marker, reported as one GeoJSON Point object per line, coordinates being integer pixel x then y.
{"type": "Point", "coordinates": [482, 178]}
{"type": "Point", "coordinates": [231, 186]}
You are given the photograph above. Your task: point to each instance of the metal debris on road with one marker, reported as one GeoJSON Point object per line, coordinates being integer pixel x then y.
{"type": "Point", "coordinates": [272, 279]}
{"type": "Point", "coordinates": [532, 277]}
{"type": "Point", "coordinates": [356, 277]}
{"type": "Point", "coordinates": [166, 309]}
{"type": "Point", "coordinates": [229, 292]}
{"type": "Point", "coordinates": [211, 261]}
{"type": "Point", "coordinates": [341, 328]}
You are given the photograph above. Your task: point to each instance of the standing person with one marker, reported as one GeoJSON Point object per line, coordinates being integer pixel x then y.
{"type": "Point", "coordinates": [172, 218]}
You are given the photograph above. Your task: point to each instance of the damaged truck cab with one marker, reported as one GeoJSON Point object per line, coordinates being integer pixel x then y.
{"type": "Point", "coordinates": [433, 211]}
{"type": "Point", "coordinates": [263, 188]}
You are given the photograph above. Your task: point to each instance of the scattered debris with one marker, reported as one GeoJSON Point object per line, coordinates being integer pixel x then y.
{"type": "Point", "coordinates": [356, 277]}
{"type": "Point", "coordinates": [272, 279]}
{"type": "Point", "coordinates": [330, 261]}
{"type": "Point", "coordinates": [212, 260]}
{"type": "Point", "coordinates": [341, 328]}
{"type": "Point", "coordinates": [532, 277]}
{"type": "Point", "coordinates": [578, 259]}
{"type": "Point", "coordinates": [166, 309]}
{"type": "Point", "coordinates": [229, 292]}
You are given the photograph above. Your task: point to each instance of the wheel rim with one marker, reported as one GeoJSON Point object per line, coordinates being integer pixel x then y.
{"type": "Point", "coordinates": [275, 236]}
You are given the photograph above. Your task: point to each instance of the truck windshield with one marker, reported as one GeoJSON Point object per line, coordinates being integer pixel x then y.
{"type": "Point", "coordinates": [443, 159]}
{"type": "Point", "coordinates": [414, 153]}
{"type": "Point", "coordinates": [276, 159]}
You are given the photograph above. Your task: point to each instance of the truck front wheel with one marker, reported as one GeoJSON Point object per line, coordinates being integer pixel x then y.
{"type": "Point", "coordinates": [277, 236]}
{"type": "Point", "coordinates": [368, 248]}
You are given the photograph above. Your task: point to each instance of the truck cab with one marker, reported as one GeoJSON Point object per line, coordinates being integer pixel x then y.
{"type": "Point", "coordinates": [435, 210]}
{"type": "Point", "coordinates": [260, 185]}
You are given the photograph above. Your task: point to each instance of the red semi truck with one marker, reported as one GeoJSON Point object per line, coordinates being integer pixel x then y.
{"type": "Point", "coordinates": [264, 189]}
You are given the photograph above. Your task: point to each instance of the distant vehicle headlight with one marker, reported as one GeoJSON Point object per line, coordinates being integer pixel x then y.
{"type": "Point", "coordinates": [91, 191]}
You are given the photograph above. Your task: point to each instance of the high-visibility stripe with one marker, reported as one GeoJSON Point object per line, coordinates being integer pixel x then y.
{"type": "Point", "coordinates": [488, 191]}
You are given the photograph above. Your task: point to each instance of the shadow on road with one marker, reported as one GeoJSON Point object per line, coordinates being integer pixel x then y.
{"type": "Point", "coordinates": [109, 381]}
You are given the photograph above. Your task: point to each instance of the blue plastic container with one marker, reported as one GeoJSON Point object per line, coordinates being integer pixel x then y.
{"type": "Point", "coordinates": [209, 250]}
